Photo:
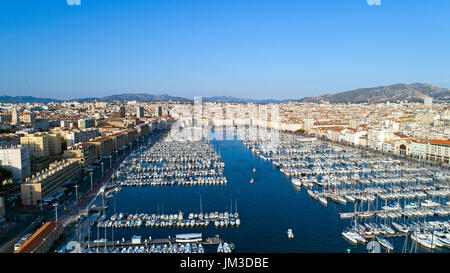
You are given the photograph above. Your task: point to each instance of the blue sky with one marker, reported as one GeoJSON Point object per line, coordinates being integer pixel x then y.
{"type": "Point", "coordinates": [245, 48]}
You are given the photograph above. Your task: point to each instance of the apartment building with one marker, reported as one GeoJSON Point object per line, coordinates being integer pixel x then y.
{"type": "Point", "coordinates": [84, 153]}
{"type": "Point", "coordinates": [28, 117]}
{"type": "Point", "coordinates": [79, 136]}
{"type": "Point", "coordinates": [143, 129]}
{"type": "Point", "coordinates": [418, 148]}
{"type": "Point", "coordinates": [132, 135]}
{"type": "Point", "coordinates": [104, 146]}
{"type": "Point", "coordinates": [119, 139]}
{"type": "Point", "coordinates": [39, 186]}
{"type": "Point", "coordinates": [42, 144]}
{"type": "Point", "coordinates": [17, 160]}
{"type": "Point", "coordinates": [86, 123]}
{"type": "Point", "coordinates": [139, 112]}
{"type": "Point", "coordinates": [438, 150]}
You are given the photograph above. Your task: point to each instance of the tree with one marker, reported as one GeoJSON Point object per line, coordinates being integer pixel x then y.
{"type": "Point", "coordinates": [6, 131]}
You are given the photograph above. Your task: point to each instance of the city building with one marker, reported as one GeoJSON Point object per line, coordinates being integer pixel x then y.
{"type": "Point", "coordinates": [5, 117]}
{"type": "Point", "coordinates": [418, 148]}
{"type": "Point", "coordinates": [143, 129]}
{"type": "Point", "coordinates": [15, 117]}
{"type": "Point", "coordinates": [40, 163]}
{"type": "Point", "coordinates": [17, 160]}
{"type": "Point", "coordinates": [104, 146]}
{"type": "Point", "coordinates": [28, 117]}
{"type": "Point", "coordinates": [42, 144]}
{"type": "Point", "coordinates": [122, 111]}
{"type": "Point", "coordinates": [139, 112]}
{"type": "Point", "coordinates": [79, 136]}
{"type": "Point", "coordinates": [86, 123]}
{"type": "Point", "coordinates": [428, 101]}
{"type": "Point", "coordinates": [84, 153]}
{"type": "Point", "coordinates": [159, 111]}
{"type": "Point", "coordinates": [132, 135]}
{"type": "Point", "coordinates": [438, 150]}
{"type": "Point", "coordinates": [42, 124]}
{"type": "Point", "coordinates": [41, 185]}
{"type": "Point", "coordinates": [119, 139]}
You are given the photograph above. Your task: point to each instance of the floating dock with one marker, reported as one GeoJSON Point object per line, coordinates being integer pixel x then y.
{"type": "Point", "coordinates": [168, 241]}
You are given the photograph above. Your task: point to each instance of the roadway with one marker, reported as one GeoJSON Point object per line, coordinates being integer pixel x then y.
{"type": "Point", "coordinates": [68, 207]}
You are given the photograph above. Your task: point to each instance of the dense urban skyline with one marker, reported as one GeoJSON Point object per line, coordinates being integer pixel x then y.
{"type": "Point", "coordinates": [258, 49]}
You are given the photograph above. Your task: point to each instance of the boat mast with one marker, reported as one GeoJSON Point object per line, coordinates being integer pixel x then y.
{"type": "Point", "coordinates": [200, 203]}
{"type": "Point", "coordinates": [114, 204]}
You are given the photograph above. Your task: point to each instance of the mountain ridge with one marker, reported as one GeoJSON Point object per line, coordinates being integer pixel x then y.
{"type": "Point", "coordinates": [415, 92]}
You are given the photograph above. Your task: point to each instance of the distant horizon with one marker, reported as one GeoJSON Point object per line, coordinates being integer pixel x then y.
{"type": "Point", "coordinates": [192, 97]}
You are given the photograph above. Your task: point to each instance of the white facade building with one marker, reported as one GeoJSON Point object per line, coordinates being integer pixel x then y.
{"type": "Point", "coordinates": [17, 160]}
{"type": "Point", "coordinates": [81, 136]}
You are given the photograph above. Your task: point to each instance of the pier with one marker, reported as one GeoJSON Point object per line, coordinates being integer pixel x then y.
{"type": "Point", "coordinates": [168, 241]}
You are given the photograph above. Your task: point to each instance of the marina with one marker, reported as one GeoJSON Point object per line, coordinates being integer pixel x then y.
{"type": "Point", "coordinates": [222, 219]}
{"type": "Point", "coordinates": [182, 243]}
{"type": "Point", "coordinates": [337, 207]}
{"type": "Point", "coordinates": [173, 162]}
{"type": "Point", "coordinates": [381, 189]}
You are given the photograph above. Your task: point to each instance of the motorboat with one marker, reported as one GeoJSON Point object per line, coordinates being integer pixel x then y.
{"type": "Point", "coordinates": [290, 233]}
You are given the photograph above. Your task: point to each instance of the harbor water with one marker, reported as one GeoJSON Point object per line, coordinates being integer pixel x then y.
{"type": "Point", "coordinates": [267, 209]}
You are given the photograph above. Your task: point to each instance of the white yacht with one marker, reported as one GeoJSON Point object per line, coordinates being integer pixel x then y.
{"type": "Point", "coordinates": [296, 181]}
{"type": "Point", "coordinates": [350, 236]}
{"type": "Point", "coordinates": [290, 234]}
{"type": "Point", "coordinates": [323, 200]}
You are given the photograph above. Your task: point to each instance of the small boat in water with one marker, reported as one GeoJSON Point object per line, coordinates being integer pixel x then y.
{"type": "Point", "coordinates": [347, 215]}
{"type": "Point", "coordinates": [313, 194]}
{"type": "Point", "coordinates": [296, 181]}
{"type": "Point", "coordinates": [350, 236]}
{"type": "Point", "coordinates": [323, 200]}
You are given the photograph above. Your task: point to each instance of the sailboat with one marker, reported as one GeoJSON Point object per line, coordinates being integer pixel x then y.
{"type": "Point", "coordinates": [313, 194]}
{"type": "Point", "coordinates": [296, 181]}
{"type": "Point", "coordinates": [385, 243]}
{"type": "Point", "coordinates": [323, 200]}
{"type": "Point", "coordinates": [350, 236]}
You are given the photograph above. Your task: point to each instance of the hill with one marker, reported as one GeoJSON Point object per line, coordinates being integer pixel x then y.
{"type": "Point", "coordinates": [410, 92]}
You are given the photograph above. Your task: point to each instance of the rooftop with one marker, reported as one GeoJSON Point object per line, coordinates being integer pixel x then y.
{"type": "Point", "coordinates": [37, 238]}
{"type": "Point", "coordinates": [440, 142]}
